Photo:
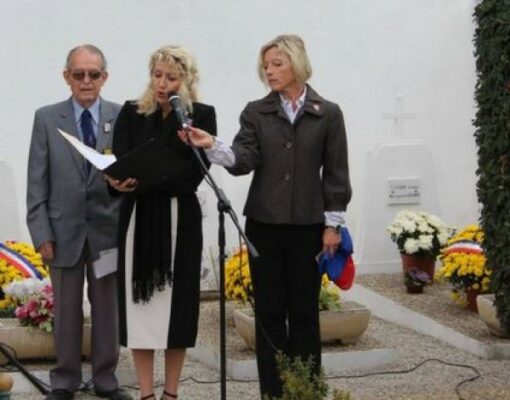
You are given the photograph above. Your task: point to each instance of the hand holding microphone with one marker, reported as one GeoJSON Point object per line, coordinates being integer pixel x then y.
{"type": "Point", "coordinates": [196, 137]}
{"type": "Point", "coordinates": [188, 134]}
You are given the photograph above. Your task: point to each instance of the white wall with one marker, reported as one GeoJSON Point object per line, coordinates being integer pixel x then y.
{"type": "Point", "coordinates": [364, 54]}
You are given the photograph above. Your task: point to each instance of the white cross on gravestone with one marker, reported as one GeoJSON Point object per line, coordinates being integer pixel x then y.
{"type": "Point", "coordinates": [399, 116]}
{"type": "Point", "coordinates": [399, 175]}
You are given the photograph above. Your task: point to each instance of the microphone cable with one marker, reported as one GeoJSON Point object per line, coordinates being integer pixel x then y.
{"type": "Point", "coordinates": [394, 372]}
{"type": "Point", "coordinates": [12, 358]}
{"type": "Point", "coordinates": [44, 388]}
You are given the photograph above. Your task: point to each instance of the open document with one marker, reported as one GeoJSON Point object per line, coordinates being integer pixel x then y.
{"type": "Point", "coordinates": [150, 164]}
{"type": "Point", "coordinates": [98, 160]}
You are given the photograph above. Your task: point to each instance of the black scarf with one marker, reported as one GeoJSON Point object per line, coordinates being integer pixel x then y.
{"type": "Point", "coordinates": [152, 263]}
{"type": "Point", "coordinates": [152, 247]}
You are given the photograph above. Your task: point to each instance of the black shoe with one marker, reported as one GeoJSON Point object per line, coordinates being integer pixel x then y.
{"type": "Point", "coordinates": [117, 394]}
{"type": "Point", "coordinates": [60, 394]}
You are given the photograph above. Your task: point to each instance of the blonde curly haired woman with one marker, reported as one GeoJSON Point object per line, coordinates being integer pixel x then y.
{"type": "Point", "coordinates": [160, 230]}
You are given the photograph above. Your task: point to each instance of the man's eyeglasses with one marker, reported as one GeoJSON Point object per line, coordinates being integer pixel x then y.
{"type": "Point", "coordinates": [80, 75]}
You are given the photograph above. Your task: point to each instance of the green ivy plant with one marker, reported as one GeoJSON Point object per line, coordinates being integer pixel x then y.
{"type": "Point", "coordinates": [300, 383]}
{"type": "Point", "coordinates": [492, 122]}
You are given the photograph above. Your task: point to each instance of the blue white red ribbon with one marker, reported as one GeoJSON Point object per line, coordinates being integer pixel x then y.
{"type": "Point", "coordinates": [27, 269]}
{"type": "Point", "coordinates": [464, 246]}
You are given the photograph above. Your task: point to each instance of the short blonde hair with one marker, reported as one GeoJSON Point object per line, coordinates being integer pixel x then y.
{"type": "Point", "coordinates": [181, 60]}
{"type": "Point", "coordinates": [294, 48]}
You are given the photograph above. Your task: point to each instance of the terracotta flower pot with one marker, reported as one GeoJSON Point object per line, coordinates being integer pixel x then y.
{"type": "Point", "coordinates": [425, 264]}
{"type": "Point", "coordinates": [471, 295]}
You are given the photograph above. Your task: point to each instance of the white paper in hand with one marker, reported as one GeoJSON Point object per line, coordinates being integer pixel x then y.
{"type": "Point", "coordinates": [106, 264]}
{"type": "Point", "coordinates": [100, 161]}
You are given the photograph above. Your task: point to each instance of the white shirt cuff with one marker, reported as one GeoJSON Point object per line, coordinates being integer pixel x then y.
{"type": "Point", "coordinates": [334, 218]}
{"type": "Point", "coordinates": [221, 154]}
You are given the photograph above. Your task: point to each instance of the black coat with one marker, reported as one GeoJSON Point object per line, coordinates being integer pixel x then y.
{"type": "Point", "coordinates": [132, 130]}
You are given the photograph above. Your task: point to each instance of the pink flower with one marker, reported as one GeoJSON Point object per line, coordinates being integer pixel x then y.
{"type": "Point", "coordinates": [37, 309]}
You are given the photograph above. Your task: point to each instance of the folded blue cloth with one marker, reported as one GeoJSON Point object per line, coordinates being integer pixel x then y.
{"type": "Point", "coordinates": [333, 265]}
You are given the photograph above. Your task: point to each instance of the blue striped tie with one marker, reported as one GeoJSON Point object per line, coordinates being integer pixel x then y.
{"type": "Point", "coordinates": [88, 132]}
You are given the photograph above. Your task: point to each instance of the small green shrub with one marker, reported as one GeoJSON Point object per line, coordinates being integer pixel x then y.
{"type": "Point", "coordinates": [301, 383]}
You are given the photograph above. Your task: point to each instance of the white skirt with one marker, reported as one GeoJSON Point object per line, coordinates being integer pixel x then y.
{"type": "Point", "coordinates": [148, 324]}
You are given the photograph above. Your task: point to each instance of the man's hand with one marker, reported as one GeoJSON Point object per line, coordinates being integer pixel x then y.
{"type": "Point", "coordinates": [47, 251]}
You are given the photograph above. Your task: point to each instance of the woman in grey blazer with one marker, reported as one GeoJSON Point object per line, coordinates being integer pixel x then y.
{"type": "Point", "coordinates": [294, 142]}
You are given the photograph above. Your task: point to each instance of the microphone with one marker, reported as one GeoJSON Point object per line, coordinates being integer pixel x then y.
{"type": "Point", "coordinates": [179, 110]}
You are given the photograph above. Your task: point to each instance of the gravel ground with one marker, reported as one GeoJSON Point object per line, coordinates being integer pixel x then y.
{"type": "Point", "coordinates": [431, 381]}
{"type": "Point", "coordinates": [435, 302]}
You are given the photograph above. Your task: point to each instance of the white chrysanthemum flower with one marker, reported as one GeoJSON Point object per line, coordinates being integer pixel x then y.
{"type": "Point", "coordinates": [443, 237]}
{"type": "Point", "coordinates": [395, 229]}
{"type": "Point", "coordinates": [411, 246]}
{"type": "Point", "coordinates": [409, 226]}
{"type": "Point", "coordinates": [425, 228]}
{"type": "Point", "coordinates": [416, 231]}
{"type": "Point", "coordinates": [425, 242]}
{"type": "Point", "coordinates": [435, 221]}
{"type": "Point", "coordinates": [24, 288]}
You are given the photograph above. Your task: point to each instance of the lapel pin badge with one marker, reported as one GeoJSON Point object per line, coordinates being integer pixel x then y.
{"type": "Point", "coordinates": [316, 107]}
{"type": "Point", "coordinates": [107, 127]}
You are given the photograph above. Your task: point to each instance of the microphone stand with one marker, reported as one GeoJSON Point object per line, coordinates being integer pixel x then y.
{"type": "Point", "coordinates": [223, 207]}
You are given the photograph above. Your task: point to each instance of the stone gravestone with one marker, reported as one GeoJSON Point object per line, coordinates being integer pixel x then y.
{"type": "Point", "coordinates": [9, 214]}
{"type": "Point", "coordinates": [399, 175]}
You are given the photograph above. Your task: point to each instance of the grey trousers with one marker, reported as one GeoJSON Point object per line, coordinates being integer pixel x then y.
{"type": "Point", "coordinates": [68, 284]}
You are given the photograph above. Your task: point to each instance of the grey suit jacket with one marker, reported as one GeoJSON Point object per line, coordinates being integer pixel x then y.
{"type": "Point", "coordinates": [65, 204]}
{"type": "Point", "coordinates": [300, 169]}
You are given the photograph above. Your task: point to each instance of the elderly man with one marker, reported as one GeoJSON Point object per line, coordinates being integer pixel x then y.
{"type": "Point", "coordinates": [73, 221]}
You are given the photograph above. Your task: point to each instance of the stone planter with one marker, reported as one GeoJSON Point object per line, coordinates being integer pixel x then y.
{"type": "Point", "coordinates": [346, 325]}
{"type": "Point", "coordinates": [34, 343]}
{"type": "Point", "coordinates": [244, 322]}
{"type": "Point", "coordinates": [487, 312]}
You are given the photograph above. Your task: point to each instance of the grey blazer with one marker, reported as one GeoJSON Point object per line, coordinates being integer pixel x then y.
{"type": "Point", "coordinates": [300, 169]}
{"type": "Point", "coordinates": [65, 204]}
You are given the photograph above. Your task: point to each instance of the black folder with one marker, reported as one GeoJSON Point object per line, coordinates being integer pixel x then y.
{"type": "Point", "coordinates": [150, 164]}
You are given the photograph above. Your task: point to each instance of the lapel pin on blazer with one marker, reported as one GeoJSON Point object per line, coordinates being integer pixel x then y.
{"type": "Point", "coordinates": [107, 127]}
{"type": "Point", "coordinates": [316, 107]}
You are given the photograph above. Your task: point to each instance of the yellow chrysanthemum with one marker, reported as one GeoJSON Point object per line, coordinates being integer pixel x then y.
{"type": "Point", "coordinates": [465, 268]}
{"type": "Point", "coordinates": [9, 273]}
{"type": "Point", "coordinates": [238, 285]}
{"type": "Point", "coordinates": [237, 276]}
